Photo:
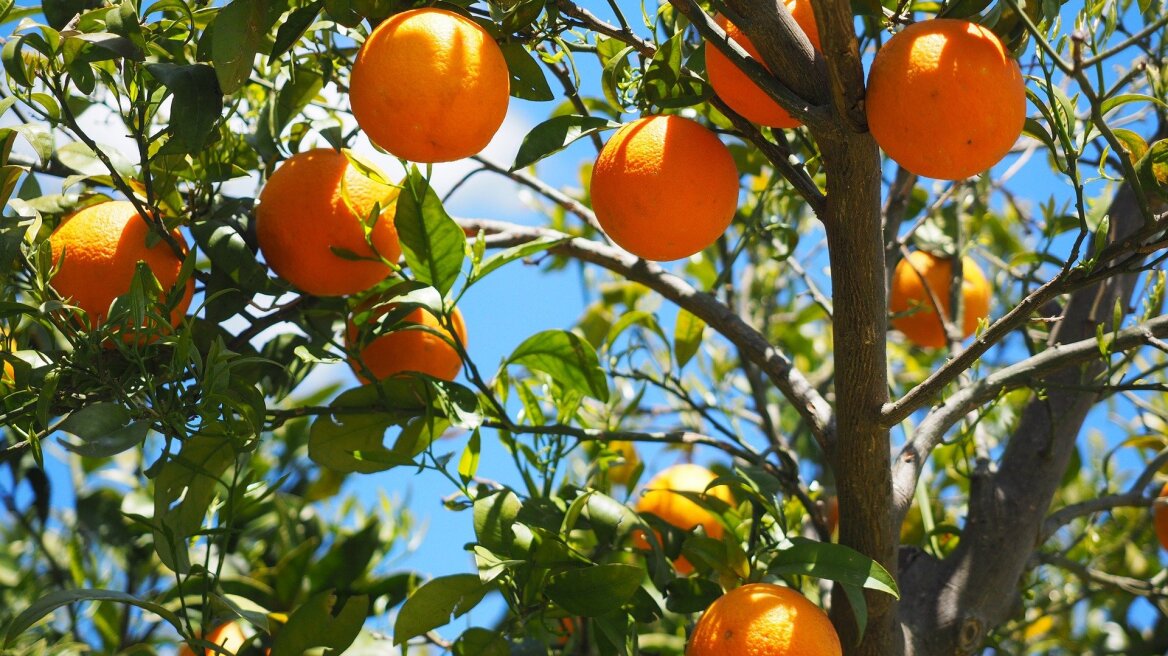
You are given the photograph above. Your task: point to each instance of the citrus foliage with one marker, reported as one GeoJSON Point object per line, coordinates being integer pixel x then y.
{"type": "Point", "coordinates": [211, 486]}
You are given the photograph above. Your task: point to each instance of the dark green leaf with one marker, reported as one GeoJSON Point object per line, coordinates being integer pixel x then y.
{"type": "Point", "coordinates": [568, 359]}
{"type": "Point", "coordinates": [432, 605]}
{"type": "Point", "coordinates": [58, 598]}
{"type": "Point", "coordinates": [596, 590]}
{"type": "Point", "coordinates": [555, 134]}
{"type": "Point", "coordinates": [239, 29]}
{"type": "Point", "coordinates": [691, 595]}
{"type": "Point", "coordinates": [318, 623]}
{"type": "Point", "coordinates": [480, 642]}
{"type": "Point", "coordinates": [94, 421]}
{"type": "Point", "coordinates": [111, 443]}
{"type": "Point", "coordinates": [197, 103]}
{"type": "Point", "coordinates": [294, 28]}
{"type": "Point", "coordinates": [183, 490]}
{"type": "Point", "coordinates": [835, 562]}
{"type": "Point", "coordinates": [433, 244]}
{"type": "Point", "coordinates": [527, 78]}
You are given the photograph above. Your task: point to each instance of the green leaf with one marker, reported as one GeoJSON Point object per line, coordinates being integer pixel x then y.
{"type": "Point", "coordinates": [596, 590]}
{"type": "Point", "coordinates": [517, 253]}
{"type": "Point", "coordinates": [294, 28]}
{"type": "Point", "coordinates": [835, 562]}
{"type": "Point", "coordinates": [183, 490]}
{"type": "Point", "coordinates": [493, 517]}
{"type": "Point", "coordinates": [556, 134]}
{"type": "Point", "coordinates": [39, 137]}
{"type": "Point", "coordinates": [687, 336]}
{"type": "Point", "coordinates": [665, 84]}
{"type": "Point", "coordinates": [197, 103]}
{"type": "Point", "coordinates": [113, 442]}
{"type": "Point", "coordinates": [58, 598]}
{"type": "Point", "coordinates": [239, 29]}
{"type": "Point", "coordinates": [93, 421]}
{"type": "Point", "coordinates": [432, 605]}
{"type": "Point", "coordinates": [284, 106]}
{"type": "Point", "coordinates": [691, 595]}
{"type": "Point", "coordinates": [348, 559]}
{"type": "Point", "coordinates": [527, 79]}
{"type": "Point", "coordinates": [468, 464]}
{"type": "Point", "coordinates": [477, 641]}
{"type": "Point", "coordinates": [1125, 98]}
{"type": "Point", "coordinates": [568, 359]}
{"type": "Point", "coordinates": [433, 244]}
{"type": "Point", "coordinates": [318, 623]}
{"type": "Point", "coordinates": [353, 442]}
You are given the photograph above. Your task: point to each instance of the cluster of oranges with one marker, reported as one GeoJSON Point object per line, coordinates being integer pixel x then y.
{"type": "Point", "coordinates": [757, 618]}
{"type": "Point", "coordinates": [663, 187]}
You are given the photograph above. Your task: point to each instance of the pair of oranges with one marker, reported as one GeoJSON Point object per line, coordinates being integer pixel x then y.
{"type": "Point", "coordinates": [758, 618]}
{"type": "Point", "coordinates": [955, 74]}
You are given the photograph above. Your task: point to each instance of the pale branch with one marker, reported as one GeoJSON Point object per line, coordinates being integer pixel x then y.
{"type": "Point", "coordinates": [1087, 574]}
{"type": "Point", "coordinates": [810, 405]}
{"type": "Point", "coordinates": [1066, 281]}
{"type": "Point", "coordinates": [845, 69]}
{"type": "Point", "coordinates": [783, 92]}
{"type": "Point", "coordinates": [544, 189]}
{"type": "Point", "coordinates": [911, 458]}
{"type": "Point", "coordinates": [1134, 497]}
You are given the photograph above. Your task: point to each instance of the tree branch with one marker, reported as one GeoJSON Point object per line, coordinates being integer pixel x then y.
{"type": "Point", "coordinates": [910, 461]}
{"type": "Point", "coordinates": [812, 407]}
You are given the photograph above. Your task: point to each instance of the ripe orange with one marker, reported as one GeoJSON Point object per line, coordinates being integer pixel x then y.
{"type": "Point", "coordinates": [1160, 517]}
{"type": "Point", "coordinates": [317, 201]}
{"type": "Point", "coordinates": [764, 619]}
{"type": "Point", "coordinates": [101, 246]}
{"type": "Point", "coordinates": [664, 187]}
{"type": "Point", "coordinates": [922, 326]}
{"type": "Point", "coordinates": [660, 498]}
{"type": "Point", "coordinates": [430, 85]}
{"type": "Point", "coordinates": [734, 87]}
{"type": "Point", "coordinates": [229, 636]}
{"type": "Point", "coordinates": [412, 349]}
{"type": "Point", "coordinates": [945, 99]}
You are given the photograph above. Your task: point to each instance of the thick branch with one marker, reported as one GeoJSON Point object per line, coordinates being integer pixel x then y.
{"type": "Point", "coordinates": [796, 94]}
{"type": "Point", "coordinates": [841, 52]}
{"type": "Point", "coordinates": [786, 51]}
{"type": "Point", "coordinates": [790, 381]}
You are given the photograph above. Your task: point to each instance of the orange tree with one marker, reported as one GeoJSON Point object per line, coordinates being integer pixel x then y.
{"type": "Point", "coordinates": [993, 490]}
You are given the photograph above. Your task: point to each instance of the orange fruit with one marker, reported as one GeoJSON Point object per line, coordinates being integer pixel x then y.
{"type": "Point", "coordinates": [764, 619]}
{"type": "Point", "coordinates": [660, 498]}
{"type": "Point", "coordinates": [1160, 517]}
{"type": "Point", "coordinates": [620, 474]}
{"type": "Point", "coordinates": [98, 249]}
{"type": "Point", "coordinates": [430, 85]}
{"type": "Point", "coordinates": [737, 89]}
{"type": "Point", "coordinates": [909, 295]}
{"type": "Point", "coordinates": [945, 99]}
{"type": "Point", "coordinates": [317, 201]}
{"type": "Point", "coordinates": [410, 350]}
{"type": "Point", "coordinates": [664, 187]}
{"type": "Point", "coordinates": [229, 636]}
